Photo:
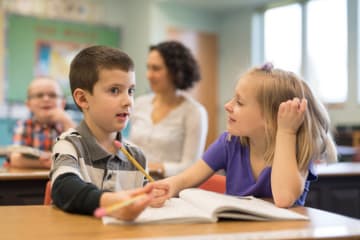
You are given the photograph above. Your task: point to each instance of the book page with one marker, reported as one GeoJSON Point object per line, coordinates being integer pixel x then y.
{"type": "Point", "coordinates": [25, 150]}
{"type": "Point", "coordinates": [175, 210]}
{"type": "Point", "coordinates": [222, 205]}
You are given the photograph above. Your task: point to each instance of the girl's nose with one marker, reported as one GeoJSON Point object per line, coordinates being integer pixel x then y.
{"type": "Point", "coordinates": [227, 106]}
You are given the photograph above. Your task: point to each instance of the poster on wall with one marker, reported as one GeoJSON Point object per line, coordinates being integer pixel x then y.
{"type": "Point", "coordinates": [38, 47]}
{"type": "Point", "coordinates": [53, 58]}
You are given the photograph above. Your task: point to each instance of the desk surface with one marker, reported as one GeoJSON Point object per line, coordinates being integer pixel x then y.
{"type": "Point", "coordinates": [341, 168]}
{"type": "Point", "coordinates": [47, 222]}
{"type": "Point", "coordinates": [10, 173]}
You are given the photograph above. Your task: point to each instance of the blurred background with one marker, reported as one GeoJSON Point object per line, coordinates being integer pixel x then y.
{"type": "Point", "coordinates": [317, 39]}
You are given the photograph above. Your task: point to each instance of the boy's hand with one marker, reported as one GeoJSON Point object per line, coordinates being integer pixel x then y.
{"type": "Point", "coordinates": [291, 115]}
{"type": "Point", "coordinates": [131, 211]}
{"type": "Point", "coordinates": [160, 193]}
{"type": "Point", "coordinates": [58, 115]}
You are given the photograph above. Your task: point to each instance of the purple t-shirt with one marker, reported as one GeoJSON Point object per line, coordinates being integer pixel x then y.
{"type": "Point", "coordinates": [234, 158]}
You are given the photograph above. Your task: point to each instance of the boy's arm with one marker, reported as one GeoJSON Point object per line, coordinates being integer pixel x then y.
{"type": "Point", "coordinates": [72, 194]}
{"type": "Point", "coordinates": [61, 116]}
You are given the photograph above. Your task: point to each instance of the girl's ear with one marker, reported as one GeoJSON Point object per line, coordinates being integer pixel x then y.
{"type": "Point", "coordinates": [80, 98]}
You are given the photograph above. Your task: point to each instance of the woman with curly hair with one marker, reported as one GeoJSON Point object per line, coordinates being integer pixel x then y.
{"type": "Point", "coordinates": [167, 124]}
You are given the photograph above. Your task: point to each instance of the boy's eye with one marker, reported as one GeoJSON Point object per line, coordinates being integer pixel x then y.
{"type": "Point", "coordinates": [115, 90]}
{"type": "Point", "coordinates": [131, 91]}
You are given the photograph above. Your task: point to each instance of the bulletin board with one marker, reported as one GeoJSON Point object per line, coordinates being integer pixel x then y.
{"type": "Point", "coordinates": [37, 47]}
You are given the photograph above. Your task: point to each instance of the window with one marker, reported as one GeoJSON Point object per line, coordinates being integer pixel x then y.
{"type": "Point", "coordinates": [327, 49]}
{"type": "Point", "coordinates": [314, 46]}
{"type": "Point", "coordinates": [283, 37]}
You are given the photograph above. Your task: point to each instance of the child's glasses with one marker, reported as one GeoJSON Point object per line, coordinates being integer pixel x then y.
{"type": "Point", "coordinates": [42, 95]}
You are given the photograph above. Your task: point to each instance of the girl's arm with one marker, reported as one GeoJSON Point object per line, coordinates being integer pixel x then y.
{"type": "Point", "coordinates": [287, 181]}
{"type": "Point", "coordinates": [191, 177]}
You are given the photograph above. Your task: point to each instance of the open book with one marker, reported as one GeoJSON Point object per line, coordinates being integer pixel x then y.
{"type": "Point", "coordinates": [197, 205]}
{"type": "Point", "coordinates": [24, 150]}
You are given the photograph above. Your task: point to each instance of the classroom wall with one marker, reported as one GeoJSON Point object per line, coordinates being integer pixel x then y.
{"type": "Point", "coordinates": [235, 55]}
{"type": "Point", "coordinates": [144, 22]}
{"type": "Point", "coordinates": [135, 24]}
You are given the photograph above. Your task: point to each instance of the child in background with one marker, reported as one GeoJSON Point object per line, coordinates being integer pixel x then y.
{"type": "Point", "coordinates": [88, 170]}
{"type": "Point", "coordinates": [276, 128]}
{"type": "Point", "coordinates": [46, 103]}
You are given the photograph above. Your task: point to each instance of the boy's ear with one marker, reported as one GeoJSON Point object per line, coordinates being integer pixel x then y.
{"type": "Point", "coordinates": [27, 102]}
{"type": "Point", "coordinates": [80, 98]}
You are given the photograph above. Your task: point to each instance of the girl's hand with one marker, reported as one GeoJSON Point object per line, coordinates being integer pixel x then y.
{"type": "Point", "coordinates": [291, 115]}
{"type": "Point", "coordinates": [159, 194]}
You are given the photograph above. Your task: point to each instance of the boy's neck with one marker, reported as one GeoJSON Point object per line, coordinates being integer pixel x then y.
{"type": "Point", "coordinates": [106, 140]}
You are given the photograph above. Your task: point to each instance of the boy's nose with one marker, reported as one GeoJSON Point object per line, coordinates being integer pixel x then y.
{"type": "Point", "coordinates": [128, 100]}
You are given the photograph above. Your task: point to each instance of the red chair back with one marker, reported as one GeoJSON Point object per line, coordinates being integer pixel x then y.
{"type": "Point", "coordinates": [47, 197]}
{"type": "Point", "coordinates": [216, 183]}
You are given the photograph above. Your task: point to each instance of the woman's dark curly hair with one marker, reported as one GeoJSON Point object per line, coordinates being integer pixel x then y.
{"type": "Point", "coordinates": [180, 63]}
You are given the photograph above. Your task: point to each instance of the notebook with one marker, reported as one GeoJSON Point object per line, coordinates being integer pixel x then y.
{"type": "Point", "coordinates": [196, 205]}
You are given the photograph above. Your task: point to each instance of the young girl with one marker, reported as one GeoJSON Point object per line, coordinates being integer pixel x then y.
{"type": "Point", "coordinates": [276, 128]}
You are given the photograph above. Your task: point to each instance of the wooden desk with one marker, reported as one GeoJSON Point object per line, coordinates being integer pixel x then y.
{"type": "Point", "coordinates": [337, 189]}
{"type": "Point", "coordinates": [22, 186]}
{"type": "Point", "coordinates": [47, 222]}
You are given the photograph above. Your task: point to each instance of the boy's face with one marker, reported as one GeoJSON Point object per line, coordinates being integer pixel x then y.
{"type": "Point", "coordinates": [44, 97]}
{"type": "Point", "coordinates": [108, 108]}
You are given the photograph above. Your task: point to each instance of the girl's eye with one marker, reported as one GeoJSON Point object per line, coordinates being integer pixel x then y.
{"type": "Point", "coordinates": [238, 102]}
{"type": "Point", "coordinates": [131, 91]}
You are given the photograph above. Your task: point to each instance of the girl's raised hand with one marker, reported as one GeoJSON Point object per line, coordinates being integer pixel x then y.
{"type": "Point", "coordinates": [291, 115]}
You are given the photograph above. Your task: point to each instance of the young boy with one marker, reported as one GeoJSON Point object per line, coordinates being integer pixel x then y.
{"type": "Point", "coordinates": [48, 120]}
{"type": "Point", "coordinates": [87, 167]}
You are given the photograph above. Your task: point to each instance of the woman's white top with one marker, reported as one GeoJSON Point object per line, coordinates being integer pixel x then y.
{"type": "Point", "coordinates": [177, 140]}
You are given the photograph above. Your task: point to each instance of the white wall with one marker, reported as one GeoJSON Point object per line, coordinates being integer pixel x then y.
{"type": "Point", "coordinates": [235, 55]}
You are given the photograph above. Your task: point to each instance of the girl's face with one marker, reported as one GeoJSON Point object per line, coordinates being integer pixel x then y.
{"type": "Point", "coordinates": [109, 106]}
{"type": "Point", "coordinates": [244, 113]}
{"type": "Point", "coordinates": [158, 74]}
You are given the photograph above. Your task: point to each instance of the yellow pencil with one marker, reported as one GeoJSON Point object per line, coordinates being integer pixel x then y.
{"type": "Point", "coordinates": [133, 161]}
{"type": "Point", "coordinates": [103, 211]}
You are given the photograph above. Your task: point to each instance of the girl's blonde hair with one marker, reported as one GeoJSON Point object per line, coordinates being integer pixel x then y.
{"type": "Point", "coordinates": [313, 140]}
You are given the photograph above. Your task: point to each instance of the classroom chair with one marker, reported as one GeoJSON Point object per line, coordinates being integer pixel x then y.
{"type": "Point", "coordinates": [216, 183]}
{"type": "Point", "coordinates": [47, 196]}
